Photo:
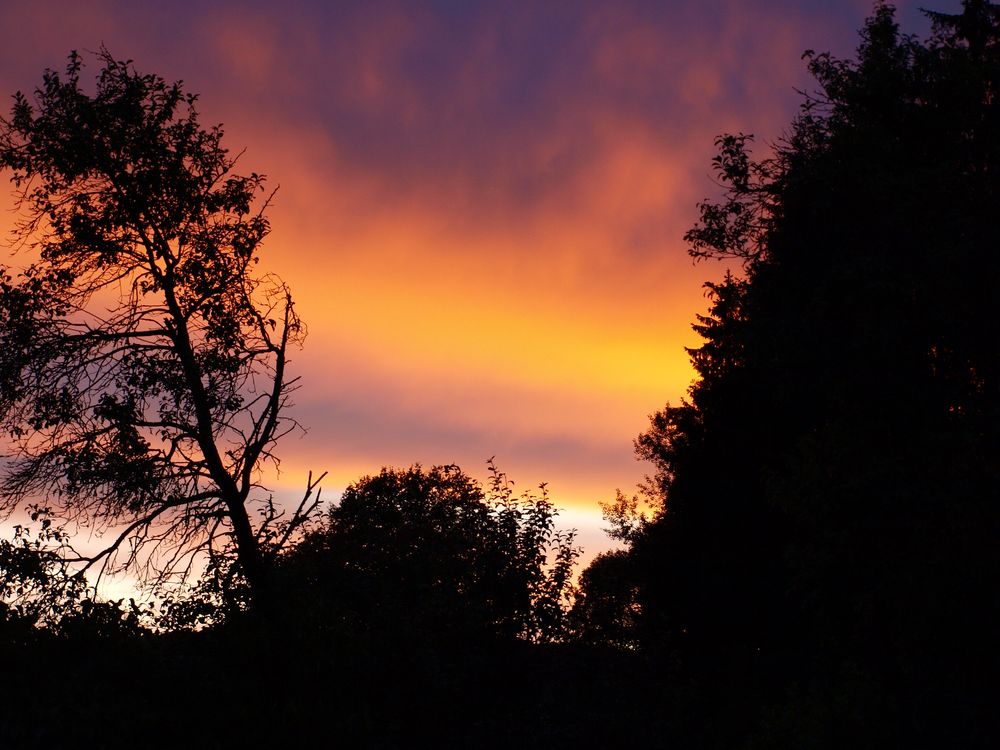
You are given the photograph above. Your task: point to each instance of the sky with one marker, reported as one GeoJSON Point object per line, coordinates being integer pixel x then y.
{"type": "Point", "coordinates": [481, 205]}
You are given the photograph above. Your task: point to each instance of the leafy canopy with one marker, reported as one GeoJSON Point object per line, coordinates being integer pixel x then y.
{"type": "Point", "coordinates": [433, 549]}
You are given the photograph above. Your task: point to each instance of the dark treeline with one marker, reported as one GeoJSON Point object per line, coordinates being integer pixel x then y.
{"type": "Point", "coordinates": [814, 562]}
{"type": "Point", "coordinates": [823, 567]}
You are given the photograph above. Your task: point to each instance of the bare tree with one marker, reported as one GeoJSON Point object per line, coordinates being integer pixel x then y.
{"type": "Point", "coordinates": [143, 359]}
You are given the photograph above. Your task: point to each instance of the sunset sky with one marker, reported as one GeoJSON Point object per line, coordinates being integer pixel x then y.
{"type": "Point", "coordinates": [481, 204]}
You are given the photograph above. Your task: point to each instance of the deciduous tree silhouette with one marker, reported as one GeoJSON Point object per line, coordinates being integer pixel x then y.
{"type": "Point", "coordinates": [143, 358]}
{"type": "Point", "coordinates": [607, 604]}
{"type": "Point", "coordinates": [430, 551]}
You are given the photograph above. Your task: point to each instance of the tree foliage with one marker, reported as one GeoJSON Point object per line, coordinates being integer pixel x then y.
{"type": "Point", "coordinates": [143, 357]}
{"type": "Point", "coordinates": [829, 484]}
{"type": "Point", "coordinates": [431, 550]}
{"type": "Point", "coordinates": [41, 593]}
{"type": "Point", "coordinates": [606, 609]}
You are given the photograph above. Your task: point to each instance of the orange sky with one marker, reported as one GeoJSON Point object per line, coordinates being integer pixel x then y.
{"type": "Point", "coordinates": [481, 205]}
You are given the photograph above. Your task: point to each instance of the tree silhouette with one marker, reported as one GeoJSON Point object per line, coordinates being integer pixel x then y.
{"type": "Point", "coordinates": [829, 484]}
{"type": "Point", "coordinates": [432, 552]}
{"type": "Point", "coordinates": [607, 607]}
{"type": "Point", "coordinates": [142, 357]}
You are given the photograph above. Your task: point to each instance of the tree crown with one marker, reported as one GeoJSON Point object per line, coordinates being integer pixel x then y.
{"type": "Point", "coordinates": [143, 357]}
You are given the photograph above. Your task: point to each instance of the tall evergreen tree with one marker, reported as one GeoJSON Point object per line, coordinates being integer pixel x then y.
{"type": "Point", "coordinates": [827, 539]}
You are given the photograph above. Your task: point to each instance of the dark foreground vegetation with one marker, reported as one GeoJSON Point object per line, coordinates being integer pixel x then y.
{"type": "Point", "coordinates": [813, 564]}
